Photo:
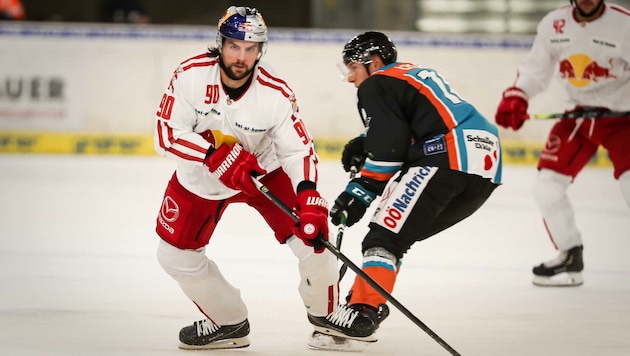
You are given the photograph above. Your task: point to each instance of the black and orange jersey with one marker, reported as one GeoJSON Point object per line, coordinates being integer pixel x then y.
{"type": "Point", "coordinates": [414, 118]}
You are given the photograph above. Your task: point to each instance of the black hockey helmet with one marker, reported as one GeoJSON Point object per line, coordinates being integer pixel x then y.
{"type": "Point", "coordinates": [361, 48]}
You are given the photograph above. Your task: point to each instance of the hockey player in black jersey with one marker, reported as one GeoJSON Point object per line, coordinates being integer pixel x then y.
{"type": "Point", "coordinates": [428, 153]}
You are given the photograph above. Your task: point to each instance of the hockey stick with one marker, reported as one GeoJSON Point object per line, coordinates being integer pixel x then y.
{"type": "Point", "coordinates": [340, 230]}
{"type": "Point", "coordinates": [583, 114]}
{"type": "Point", "coordinates": [385, 294]}
{"type": "Point", "coordinates": [342, 225]}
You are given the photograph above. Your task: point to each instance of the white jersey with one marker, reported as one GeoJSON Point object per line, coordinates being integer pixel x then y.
{"type": "Point", "coordinates": [591, 59]}
{"type": "Point", "coordinates": [264, 119]}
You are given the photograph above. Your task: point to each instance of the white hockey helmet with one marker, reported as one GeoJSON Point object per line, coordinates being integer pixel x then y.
{"type": "Point", "coordinates": [242, 23]}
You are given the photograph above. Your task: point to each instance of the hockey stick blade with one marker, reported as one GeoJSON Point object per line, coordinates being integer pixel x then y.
{"type": "Point", "coordinates": [583, 114]}
{"type": "Point", "coordinates": [384, 293]}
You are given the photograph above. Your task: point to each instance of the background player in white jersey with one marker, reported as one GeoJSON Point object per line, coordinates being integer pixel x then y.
{"type": "Point", "coordinates": [225, 117]}
{"type": "Point", "coordinates": [430, 155]}
{"type": "Point", "coordinates": [587, 45]}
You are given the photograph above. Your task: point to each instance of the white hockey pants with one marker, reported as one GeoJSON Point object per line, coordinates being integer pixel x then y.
{"type": "Point", "coordinates": [550, 192]}
{"type": "Point", "coordinates": [203, 283]}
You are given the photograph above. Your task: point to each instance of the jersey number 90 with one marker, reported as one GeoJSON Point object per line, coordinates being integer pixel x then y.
{"type": "Point", "coordinates": [299, 128]}
{"type": "Point", "coordinates": [166, 107]}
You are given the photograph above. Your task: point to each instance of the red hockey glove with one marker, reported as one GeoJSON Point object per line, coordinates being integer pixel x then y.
{"type": "Point", "coordinates": [312, 210]}
{"type": "Point", "coordinates": [235, 167]}
{"type": "Point", "coordinates": [512, 110]}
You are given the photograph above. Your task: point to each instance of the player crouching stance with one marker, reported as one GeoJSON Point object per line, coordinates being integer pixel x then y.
{"type": "Point", "coordinates": [224, 118]}
{"type": "Point", "coordinates": [429, 154]}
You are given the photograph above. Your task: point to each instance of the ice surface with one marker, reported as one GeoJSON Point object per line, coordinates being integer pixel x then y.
{"type": "Point", "coordinates": [79, 274]}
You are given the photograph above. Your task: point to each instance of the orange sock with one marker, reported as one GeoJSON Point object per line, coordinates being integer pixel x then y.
{"type": "Point", "coordinates": [383, 272]}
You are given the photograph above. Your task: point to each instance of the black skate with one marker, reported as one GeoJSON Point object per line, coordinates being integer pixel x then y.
{"type": "Point", "coordinates": [333, 338]}
{"type": "Point", "coordinates": [206, 335]}
{"type": "Point", "coordinates": [382, 311]}
{"type": "Point", "coordinates": [381, 314]}
{"type": "Point", "coordinates": [564, 270]}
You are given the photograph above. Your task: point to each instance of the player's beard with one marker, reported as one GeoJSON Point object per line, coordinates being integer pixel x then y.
{"type": "Point", "coordinates": [232, 74]}
{"type": "Point", "coordinates": [597, 7]}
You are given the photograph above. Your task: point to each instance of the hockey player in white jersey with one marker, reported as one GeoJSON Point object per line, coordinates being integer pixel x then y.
{"type": "Point", "coordinates": [225, 117]}
{"type": "Point", "coordinates": [587, 46]}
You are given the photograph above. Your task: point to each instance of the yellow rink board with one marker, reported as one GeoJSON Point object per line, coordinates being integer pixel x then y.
{"type": "Point", "coordinates": [328, 148]}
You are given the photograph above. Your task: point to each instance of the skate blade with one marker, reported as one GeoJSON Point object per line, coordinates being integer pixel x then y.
{"type": "Point", "coordinates": [319, 341]}
{"type": "Point", "coordinates": [565, 279]}
{"type": "Point", "coordinates": [328, 331]}
{"type": "Point", "coordinates": [236, 343]}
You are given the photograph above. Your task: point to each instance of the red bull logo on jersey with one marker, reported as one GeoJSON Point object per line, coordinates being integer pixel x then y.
{"type": "Point", "coordinates": [558, 25]}
{"type": "Point", "coordinates": [580, 70]}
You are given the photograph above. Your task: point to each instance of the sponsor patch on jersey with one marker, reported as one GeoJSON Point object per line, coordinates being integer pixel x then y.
{"type": "Point", "coordinates": [206, 113]}
{"type": "Point", "coordinates": [401, 197]}
{"type": "Point", "coordinates": [434, 146]}
{"type": "Point", "coordinates": [605, 43]}
{"type": "Point", "coordinates": [249, 129]}
{"type": "Point", "coordinates": [482, 152]}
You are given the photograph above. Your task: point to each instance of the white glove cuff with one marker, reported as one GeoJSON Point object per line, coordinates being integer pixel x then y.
{"type": "Point", "coordinates": [515, 92]}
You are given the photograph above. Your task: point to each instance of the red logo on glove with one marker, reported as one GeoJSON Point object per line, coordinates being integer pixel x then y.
{"type": "Point", "coordinates": [228, 161]}
{"type": "Point", "coordinates": [319, 201]}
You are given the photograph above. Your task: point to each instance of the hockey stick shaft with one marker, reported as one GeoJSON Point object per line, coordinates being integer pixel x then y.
{"type": "Point", "coordinates": [354, 169]}
{"type": "Point", "coordinates": [384, 293]}
{"type": "Point", "coordinates": [583, 114]}
{"type": "Point", "coordinates": [340, 232]}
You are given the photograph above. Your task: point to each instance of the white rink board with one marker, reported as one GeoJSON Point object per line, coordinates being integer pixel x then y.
{"type": "Point", "coordinates": [110, 78]}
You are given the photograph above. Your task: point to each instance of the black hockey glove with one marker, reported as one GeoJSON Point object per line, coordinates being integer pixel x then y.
{"type": "Point", "coordinates": [354, 201]}
{"type": "Point", "coordinates": [353, 154]}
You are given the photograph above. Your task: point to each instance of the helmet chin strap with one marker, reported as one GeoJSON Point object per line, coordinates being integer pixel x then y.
{"type": "Point", "coordinates": [588, 14]}
{"type": "Point", "coordinates": [367, 67]}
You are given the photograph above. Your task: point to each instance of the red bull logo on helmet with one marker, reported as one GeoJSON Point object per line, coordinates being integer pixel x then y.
{"type": "Point", "coordinates": [580, 70]}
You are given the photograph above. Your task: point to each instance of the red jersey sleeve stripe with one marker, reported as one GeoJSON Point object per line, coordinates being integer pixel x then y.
{"type": "Point", "coordinates": [198, 64]}
{"type": "Point", "coordinates": [620, 9]}
{"type": "Point", "coordinates": [192, 146]}
{"type": "Point", "coordinates": [310, 173]}
{"type": "Point", "coordinates": [161, 135]}
{"type": "Point", "coordinates": [184, 155]}
{"type": "Point", "coordinates": [273, 86]}
{"type": "Point", "coordinates": [267, 74]}
{"type": "Point", "coordinates": [170, 144]}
